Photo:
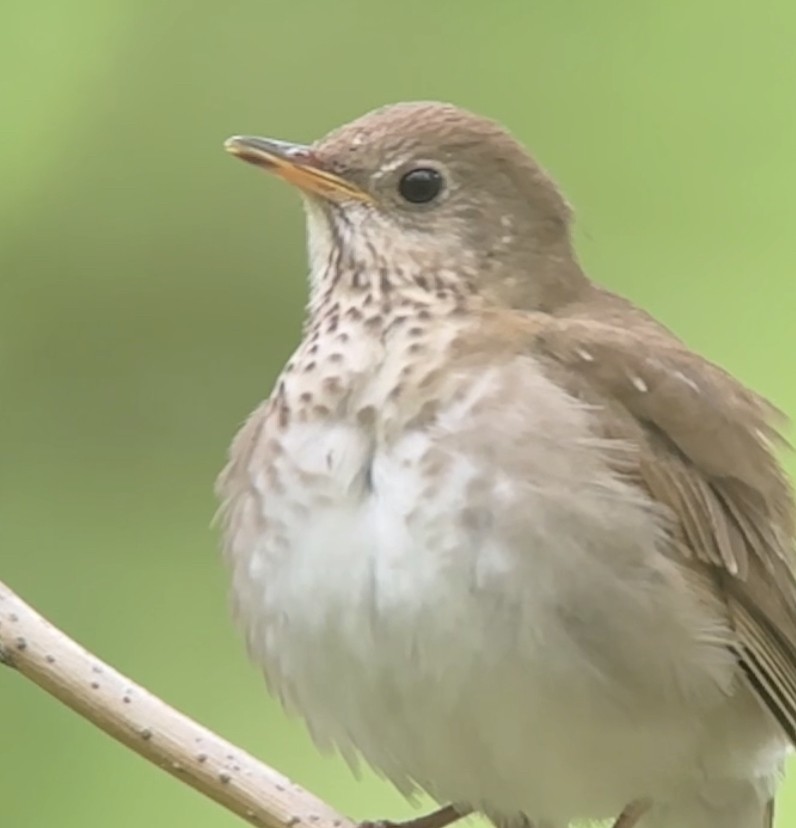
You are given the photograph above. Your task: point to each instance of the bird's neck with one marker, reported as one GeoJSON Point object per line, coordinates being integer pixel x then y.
{"type": "Point", "coordinates": [364, 353]}
{"type": "Point", "coordinates": [374, 292]}
{"type": "Point", "coordinates": [373, 308]}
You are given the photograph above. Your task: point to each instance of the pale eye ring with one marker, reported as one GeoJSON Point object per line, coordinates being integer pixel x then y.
{"type": "Point", "coordinates": [420, 185]}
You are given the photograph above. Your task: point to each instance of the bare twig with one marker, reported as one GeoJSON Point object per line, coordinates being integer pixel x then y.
{"type": "Point", "coordinates": [159, 733]}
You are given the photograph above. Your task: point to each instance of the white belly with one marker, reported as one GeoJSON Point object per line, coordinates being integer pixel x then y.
{"type": "Point", "coordinates": [511, 641]}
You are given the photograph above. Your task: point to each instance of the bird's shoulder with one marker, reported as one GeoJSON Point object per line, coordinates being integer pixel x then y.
{"type": "Point", "coordinates": [647, 384]}
{"type": "Point", "coordinates": [705, 447]}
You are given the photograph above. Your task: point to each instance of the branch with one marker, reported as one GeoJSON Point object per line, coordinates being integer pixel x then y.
{"type": "Point", "coordinates": [147, 725]}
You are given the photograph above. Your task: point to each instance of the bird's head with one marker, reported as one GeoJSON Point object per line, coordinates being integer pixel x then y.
{"type": "Point", "coordinates": [431, 196]}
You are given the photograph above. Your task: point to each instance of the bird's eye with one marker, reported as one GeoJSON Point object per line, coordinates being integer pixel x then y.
{"type": "Point", "coordinates": [421, 185]}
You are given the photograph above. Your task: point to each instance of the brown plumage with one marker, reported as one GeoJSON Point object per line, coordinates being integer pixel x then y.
{"type": "Point", "coordinates": [548, 470]}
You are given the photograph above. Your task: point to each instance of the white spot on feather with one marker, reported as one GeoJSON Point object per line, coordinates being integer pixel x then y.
{"type": "Point", "coordinates": [687, 380]}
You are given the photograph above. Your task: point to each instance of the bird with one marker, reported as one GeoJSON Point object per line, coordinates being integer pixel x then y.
{"type": "Point", "coordinates": [497, 532]}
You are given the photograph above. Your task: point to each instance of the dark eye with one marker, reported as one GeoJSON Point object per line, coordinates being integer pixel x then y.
{"type": "Point", "coordinates": [421, 185]}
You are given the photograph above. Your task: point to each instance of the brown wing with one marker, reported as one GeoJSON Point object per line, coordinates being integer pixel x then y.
{"type": "Point", "coordinates": [707, 452]}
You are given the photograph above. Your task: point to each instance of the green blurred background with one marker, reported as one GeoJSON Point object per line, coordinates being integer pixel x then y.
{"type": "Point", "coordinates": [151, 287]}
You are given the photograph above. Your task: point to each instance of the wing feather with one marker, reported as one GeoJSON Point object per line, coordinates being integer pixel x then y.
{"type": "Point", "coordinates": [707, 451]}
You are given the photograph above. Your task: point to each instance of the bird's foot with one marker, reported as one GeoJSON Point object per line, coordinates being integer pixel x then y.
{"type": "Point", "coordinates": [632, 813]}
{"type": "Point", "coordinates": [436, 819]}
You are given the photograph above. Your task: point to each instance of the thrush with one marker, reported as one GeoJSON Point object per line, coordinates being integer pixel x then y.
{"type": "Point", "coordinates": [496, 531]}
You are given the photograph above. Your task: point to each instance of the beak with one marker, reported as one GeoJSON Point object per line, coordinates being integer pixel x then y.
{"type": "Point", "coordinates": [297, 164]}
